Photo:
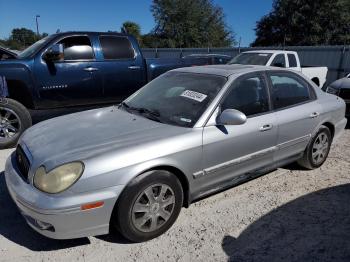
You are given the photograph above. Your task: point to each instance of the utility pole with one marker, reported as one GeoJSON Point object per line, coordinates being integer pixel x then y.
{"type": "Point", "coordinates": [37, 25]}
{"type": "Point", "coordinates": [239, 45]}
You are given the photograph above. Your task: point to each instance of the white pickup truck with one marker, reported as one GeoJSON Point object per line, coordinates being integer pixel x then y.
{"type": "Point", "coordinates": [281, 58]}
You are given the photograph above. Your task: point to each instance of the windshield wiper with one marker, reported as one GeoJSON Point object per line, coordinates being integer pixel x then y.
{"type": "Point", "coordinates": [148, 113]}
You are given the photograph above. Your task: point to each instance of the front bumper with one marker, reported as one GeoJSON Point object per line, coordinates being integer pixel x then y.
{"type": "Point", "coordinates": [61, 217]}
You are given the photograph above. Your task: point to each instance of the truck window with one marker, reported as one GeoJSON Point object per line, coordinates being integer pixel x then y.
{"type": "Point", "coordinates": [116, 47]}
{"type": "Point", "coordinates": [288, 90]}
{"type": "Point", "coordinates": [279, 61]}
{"type": "Point", "coordinates": [251, 59]}
{"type": "Point", "coordinates": [77, 48]}
{"type": "Point", "coordinates": [292, 60]}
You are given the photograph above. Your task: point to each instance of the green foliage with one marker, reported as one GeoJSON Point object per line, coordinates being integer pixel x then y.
{"type": "Point", "coordinates": [132, 28]}
{"type": "Point", "coordinates": [21, 38]}
{"type": "Point", "coordinates": [305, 22]}
{"type": "Point", "coordinates": [189, 23]}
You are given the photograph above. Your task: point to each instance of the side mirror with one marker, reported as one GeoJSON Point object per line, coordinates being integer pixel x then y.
{"type": "Point", "coordinates": [231, 117]}
{"type": "Point", "coordinates": [54, 53]}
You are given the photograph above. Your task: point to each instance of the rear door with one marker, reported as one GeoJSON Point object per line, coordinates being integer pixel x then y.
{"type": "Point", "coordinates": [231, 151]}
{"type": "Point", "coordinates": [122, 69]}
{"type": "Point", "coordinates": [296, 110]}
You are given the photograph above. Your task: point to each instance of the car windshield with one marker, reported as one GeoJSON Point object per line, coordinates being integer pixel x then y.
{"type": "Point", "coordinates": [175, 98]}
{"type": "Point", "coordinates": [251, 59]}
{"type": "Point", "coordinates": [33, 48]}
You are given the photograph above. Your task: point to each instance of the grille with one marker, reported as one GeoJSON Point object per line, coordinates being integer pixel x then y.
{"type": "Point", "coordinates": [22, 163]}
{"type": "Point", "coordinates": [345, 93]}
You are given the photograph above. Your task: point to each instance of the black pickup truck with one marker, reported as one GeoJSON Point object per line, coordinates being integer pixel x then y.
{"type": "Point", "coordinates": [74, 69]}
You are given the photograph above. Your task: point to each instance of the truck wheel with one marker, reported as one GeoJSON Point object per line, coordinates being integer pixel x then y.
{"type": "Point", "coordinates": [148, 206]}
{"type": "Point", "coordinates": [14, 119]}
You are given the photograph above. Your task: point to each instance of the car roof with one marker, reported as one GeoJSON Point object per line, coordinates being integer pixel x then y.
{"type": "Point", "coordinates": [270, 51]}
{"type": "Point", "coordinates": [206, 55]}
{"type": "Point", "coordinates": [226, 70]}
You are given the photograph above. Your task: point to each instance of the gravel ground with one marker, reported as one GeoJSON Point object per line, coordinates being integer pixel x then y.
{"type": "Point", "coordinates": [286, 215]}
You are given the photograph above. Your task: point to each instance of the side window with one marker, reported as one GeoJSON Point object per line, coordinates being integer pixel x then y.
{"type": "Point", "coordinates": [116, 47]}
{"type": "Point", "coordinates": [248, 95]}
{"type": "Point", "coordinates": [77, 48]}
{"type": "Point", "coordinates": [292, 60]}
{"type": "Point", "coordinates": [288, 90]}
{"type": "Point", "coordinates": [279, 61]}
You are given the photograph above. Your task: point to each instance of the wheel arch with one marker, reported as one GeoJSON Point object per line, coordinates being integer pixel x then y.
{"type": "Point", "coordinates": [19, 91]}
{"type": "Point", "coordinates": [174, 170]}
{"type": "Point", "coordinates": [330, 126]}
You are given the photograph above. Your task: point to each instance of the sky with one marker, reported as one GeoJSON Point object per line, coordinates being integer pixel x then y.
{"type": "Point", "coordinates": [104, 15]}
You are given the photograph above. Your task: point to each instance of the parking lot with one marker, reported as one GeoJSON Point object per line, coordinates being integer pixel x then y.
{"type": "Point", "coordinates": [287, 215]}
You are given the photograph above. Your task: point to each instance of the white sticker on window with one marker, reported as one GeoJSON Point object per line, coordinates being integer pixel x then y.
{"type": "Point", "coordinates": [194, 95]}
{"type": "Point", "coordinates": [185, 120]}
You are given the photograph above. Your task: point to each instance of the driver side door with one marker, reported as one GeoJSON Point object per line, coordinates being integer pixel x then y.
{"type": "Point", "coordinates": [232, 151]}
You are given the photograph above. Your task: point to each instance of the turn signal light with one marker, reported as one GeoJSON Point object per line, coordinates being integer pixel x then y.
{"type": "Point", "coordinates": [92, 205]}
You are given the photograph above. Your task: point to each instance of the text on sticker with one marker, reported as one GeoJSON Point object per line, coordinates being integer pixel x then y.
{"type": "Point", "coordinates": [193, 95]}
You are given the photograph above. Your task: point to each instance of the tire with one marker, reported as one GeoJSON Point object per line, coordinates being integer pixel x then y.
{"type": "Point", "coordinates": [139, 217]}
{"type": "Point", "coordinates": [14, 120]}
{"type": "Point", "coordinates": [309, 159]}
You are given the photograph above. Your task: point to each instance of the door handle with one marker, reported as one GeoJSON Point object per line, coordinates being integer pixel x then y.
{"type": "Point", "coordinates": [314, 114]}
{"type": "Point", "coordinates": [265, 127]}
{"type": "Point", "coordinates": [90, 69]}
{"type": "Point", "coordinates": [133, 67]}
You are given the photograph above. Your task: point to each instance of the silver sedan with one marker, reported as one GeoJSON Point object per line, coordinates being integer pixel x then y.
{"type": "Point", "coordinates": [185, 135]}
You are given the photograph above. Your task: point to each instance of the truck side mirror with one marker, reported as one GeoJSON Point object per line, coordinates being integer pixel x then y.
{"type": "Point", "coordinates": [54, 53]}
{"type": "Point", "coordinates": [231, 117]}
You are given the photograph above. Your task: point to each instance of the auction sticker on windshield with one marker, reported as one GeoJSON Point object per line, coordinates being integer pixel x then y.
{"type": "Point", "coordinates": [193, 95]}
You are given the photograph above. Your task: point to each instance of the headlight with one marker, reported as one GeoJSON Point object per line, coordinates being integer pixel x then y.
{"type": "Point", "coordinates": [332, 90]}
{"type": "Point", "coordinates": [58, 179]}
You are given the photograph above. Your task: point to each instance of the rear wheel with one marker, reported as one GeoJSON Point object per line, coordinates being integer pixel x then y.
{"type": "Point", "coordinates": [14, 119]}
{"type": "Point", "coordinates": [148, 206]}
{"type": "Point", "coordinates": [317, 150]}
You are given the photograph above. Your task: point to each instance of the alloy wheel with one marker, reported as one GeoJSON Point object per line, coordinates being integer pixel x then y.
{"type": "Point", "coordinates": [9, 123]}
{"type": "Point", "coordinates": [153, 208]}
{"type": "Point", "coordinates": [320, 148]}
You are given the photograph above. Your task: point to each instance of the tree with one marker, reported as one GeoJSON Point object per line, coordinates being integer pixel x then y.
{"type": "Point", "coordinates": [190, 23]}
{"type": "Point", "coordinates": [132, 28]}
{"type": "Point", "coordinates": [305, 22]}
{"type": "Point", "coordinates": [21, 38]}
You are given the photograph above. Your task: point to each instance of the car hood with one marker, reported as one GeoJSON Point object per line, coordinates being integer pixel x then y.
{"type": "Point", "coordinates": [341, 83]}
{"type": "Point", "coordinates": [91, 133]}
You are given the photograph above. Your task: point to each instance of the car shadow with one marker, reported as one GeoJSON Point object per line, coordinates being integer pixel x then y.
{"type": "Point", "coordinates": [314, 227]}
{"type": "Point", "coordinates": [14, 227]}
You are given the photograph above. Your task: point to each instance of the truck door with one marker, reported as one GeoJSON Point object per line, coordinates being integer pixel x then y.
{"type": "Point", "coordinates": [71, 80]}
{"type": "Point", "coordinates": [121, 68]}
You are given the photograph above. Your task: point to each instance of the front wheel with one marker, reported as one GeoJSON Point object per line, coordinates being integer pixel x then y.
{"type": "Point", "coordinates": [317, 150]}
{"type": "Point", "coordinates": [14, 119]}
{"type": "Point", "coordinates": [148, 206]}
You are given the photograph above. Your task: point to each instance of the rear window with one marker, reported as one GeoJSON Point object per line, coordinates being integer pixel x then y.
{"type": "Point", "coordinates": [288, 90]}
{"type": "Point", "coordinates": [116, 47]}
{"type": "Point", "coordinates": [251, 59]}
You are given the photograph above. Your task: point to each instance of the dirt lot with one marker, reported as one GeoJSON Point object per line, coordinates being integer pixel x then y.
{"type": "Point", "coordinates": [287, 215]}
